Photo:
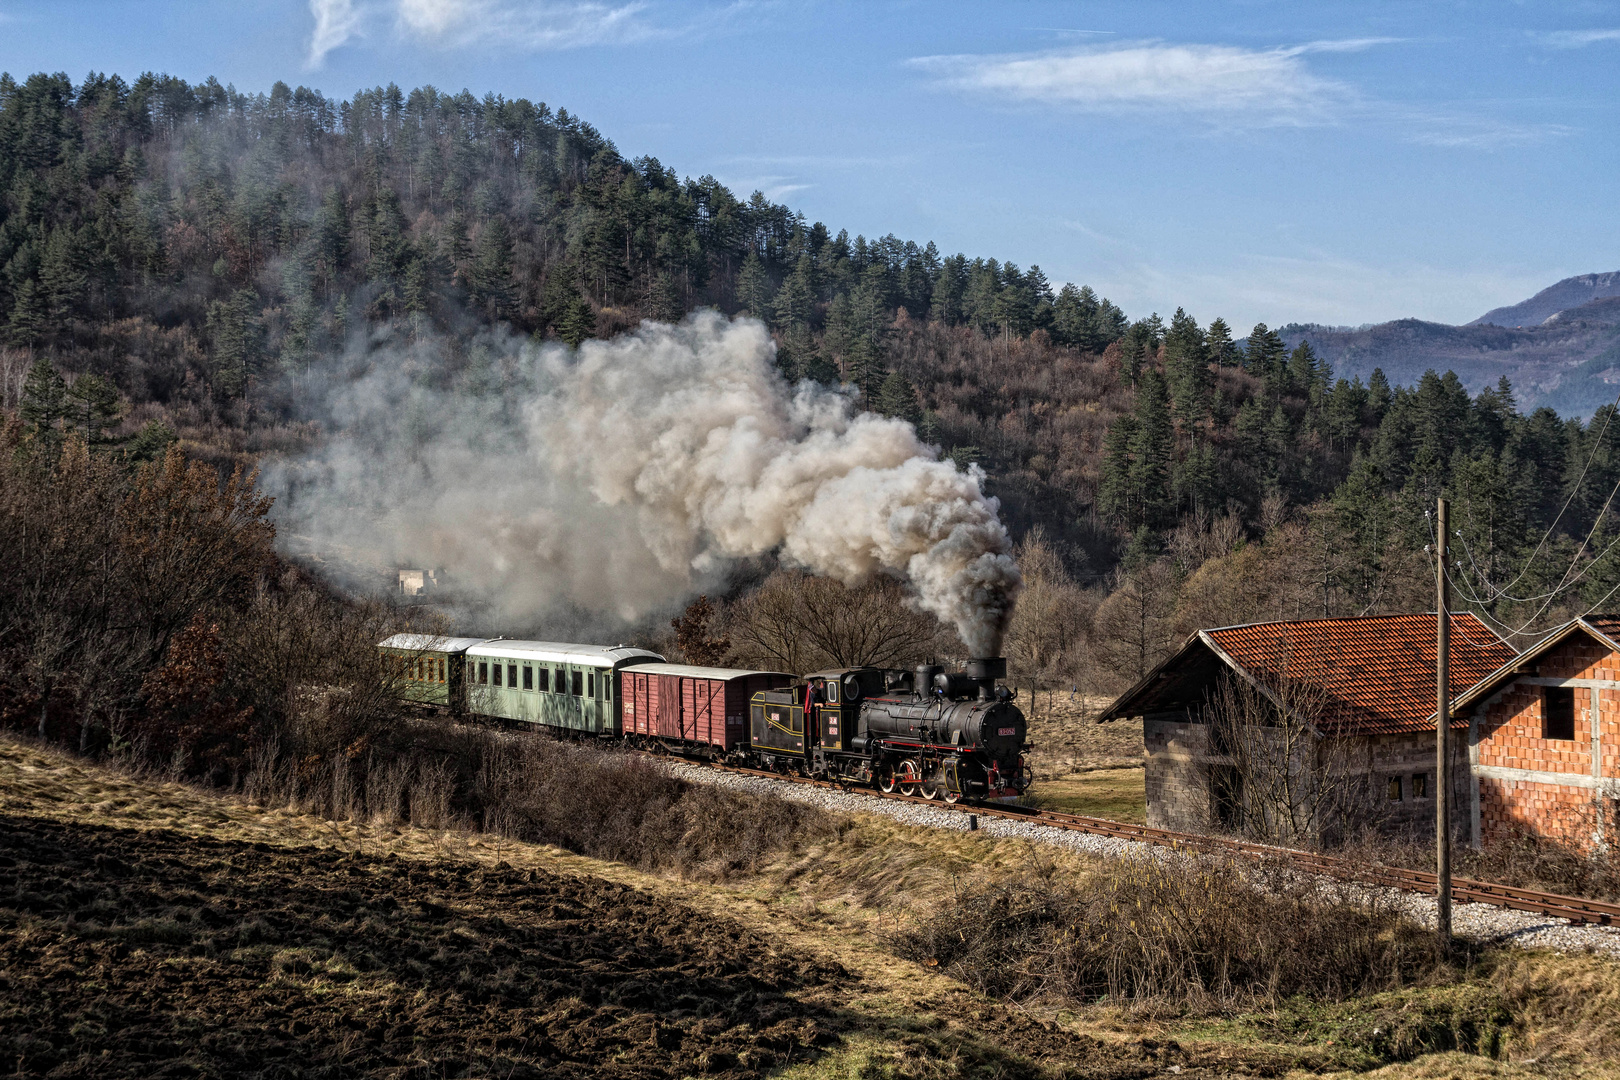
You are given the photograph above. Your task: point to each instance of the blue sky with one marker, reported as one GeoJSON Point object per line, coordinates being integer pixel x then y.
{"type": "Point", "coordinates": [1339, 163]}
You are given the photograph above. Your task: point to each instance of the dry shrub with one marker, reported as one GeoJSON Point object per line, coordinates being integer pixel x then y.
{"type": "Point", "coordinates": [624, 807]}
{"type": "Point", "coordinates": [1186, 932]}
{"type": "Point", "coordinates": [604, 803]}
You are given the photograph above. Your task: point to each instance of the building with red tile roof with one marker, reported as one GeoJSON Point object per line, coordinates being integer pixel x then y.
{"type": "Point", "coordinates": [1544, 740]}
{"type": "Point", "coordinates": [1367, 681]}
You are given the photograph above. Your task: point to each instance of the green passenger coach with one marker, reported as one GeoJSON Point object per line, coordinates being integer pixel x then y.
{"type": "Point", "coordinates": [427, 669]}
{"type": "Point", "coordinates": [546, 682]}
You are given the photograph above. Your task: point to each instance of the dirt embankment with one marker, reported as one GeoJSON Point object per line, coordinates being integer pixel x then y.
{"type": "Point", "coordinates": [126, 953]}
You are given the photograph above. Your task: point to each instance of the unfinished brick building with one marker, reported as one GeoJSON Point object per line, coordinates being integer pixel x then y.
{"type": "Point", "coordinates": [1544, 739]}
{"type": "Point", "coordinates": [1370, 682]}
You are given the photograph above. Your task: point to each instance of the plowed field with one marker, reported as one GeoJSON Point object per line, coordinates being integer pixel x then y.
{"type": "Point", "coordinates": [147, 954]}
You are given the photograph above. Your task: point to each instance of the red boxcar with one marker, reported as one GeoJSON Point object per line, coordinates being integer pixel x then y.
{"type": "Point", "coordinates": [703, 705]}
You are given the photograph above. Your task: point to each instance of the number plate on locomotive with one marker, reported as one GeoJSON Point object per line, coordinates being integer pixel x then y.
{"type": "Point", "coordinates": [1006, 731]}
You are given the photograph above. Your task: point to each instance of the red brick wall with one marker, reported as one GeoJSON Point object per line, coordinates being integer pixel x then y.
{"type": "Point", "coordinates": [1510, 734]}
{"type": "Point", "coordinates": [1510, 737]}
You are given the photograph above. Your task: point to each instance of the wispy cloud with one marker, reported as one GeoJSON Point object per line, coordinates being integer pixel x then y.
{"type": "Point", "coordinates": [336, 21]}
{"type": "Point", "coordinates": [1227, 86]}
{"type": "Point", "coordinates": [1265, 85]}
{"type": "Point", "coordinates": [1579, 39]}
{"type": "Point", "coordinates": [1449, 129]}
{"type": "Point", "coordinates": [520, 24]}
{"type": "Point", "coordinates": [541, 25]}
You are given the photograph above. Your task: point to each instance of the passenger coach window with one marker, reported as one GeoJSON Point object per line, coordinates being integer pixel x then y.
{"type": "Point", "coordinates": [528, 677]}
{"type": "Point", "coordinates": [511, 676]}
{"type": "Point", "coordinates": [545, 680]}
{"type": "Point", "coordinates": [579, 682]}
{"type": "Point", "coordinates": [497, 674]}
{"type": "Point", "coordinates": [607, 688]}
{"type": "Point", "coordinates": [590, 685]}
{"type": "Point", "coordinates": [483, 672]}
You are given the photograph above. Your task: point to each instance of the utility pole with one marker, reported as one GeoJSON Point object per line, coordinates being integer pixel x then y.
{"type": "Point", "coordinates": [1442, 730]}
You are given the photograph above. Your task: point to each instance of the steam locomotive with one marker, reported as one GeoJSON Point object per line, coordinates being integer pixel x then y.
{"type": "Point", "coordinates": [929, 732]}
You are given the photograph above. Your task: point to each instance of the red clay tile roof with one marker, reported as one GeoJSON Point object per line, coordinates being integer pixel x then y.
{"type": "Point", "coordinates": [1607, 625]}
{"type": "Point", "coordinates": [1376, 673]}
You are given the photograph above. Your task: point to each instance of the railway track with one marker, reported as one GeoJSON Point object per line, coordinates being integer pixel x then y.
{"type": "Point", "coordinates": [1463, 890]}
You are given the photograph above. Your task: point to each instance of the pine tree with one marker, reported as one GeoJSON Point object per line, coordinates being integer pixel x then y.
{"type": "Point", "coordinates": [795, 300]}
{"type": "Point", "coordinates": [458, 249]}
{"type": "Point", "coordinates": [332, 236]}
{"type": "Point", "coordinates": [1218, 344]}
{"type": "Point", "coordinates": [1197, 480]}
{"type": "Point", "coordinates": [949, 285]}
{"type": "Point", "coordinates": [151, 442]}
{"type": "Point", "coordinates": [1304, 370]}
{"type": "Point", "coordinates": [578, 323]}
{"type": "Point", "coordinates": [1152, 452]}
{"type": "Point", "coordinates": [1187, 368]}
{"type": "Point", "coordinates": [44, 403]}
{"type": "Point", "coordinates": [492, 284]}
{"type": "Point", "coordinates": [1264, 355]}
{"type": "Point", "coordinates": [233, 329]}
{"type": "Point", "coordinates": [897, 398]}
{"type": "Point", "coordinates": [1114, 502]}
{"type": "Point", "coordinates": [664, 299]}
{"type": "Point", "coordinates": [91, 404]}
{"type": "Point", "coordinates": [754, 288]}
{"type": "Point", "coordinates": [64, 274]}
{"type": "Point", "coordinates": [29, 314]}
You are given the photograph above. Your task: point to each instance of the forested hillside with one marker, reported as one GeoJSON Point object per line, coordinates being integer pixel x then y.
{"type": "Point", "coordinates": [173, 255]}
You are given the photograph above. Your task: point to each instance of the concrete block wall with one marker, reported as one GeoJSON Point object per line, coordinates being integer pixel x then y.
{"type": "Point", "coordinates": [1177, 773]}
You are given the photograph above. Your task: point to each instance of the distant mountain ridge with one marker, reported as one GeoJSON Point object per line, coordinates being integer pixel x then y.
{"type": "Point", "coordinates": [1570, 363]}
{"type": "Point", "coordinates": [1572, 292]}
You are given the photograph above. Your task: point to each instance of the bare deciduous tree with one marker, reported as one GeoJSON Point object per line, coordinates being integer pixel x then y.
{"type": "Point", "coordinates": [797, 622]}
{"type": "Point", "coordinates": [1290, 780]}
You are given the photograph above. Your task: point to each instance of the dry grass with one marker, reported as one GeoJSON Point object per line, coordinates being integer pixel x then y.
{"type": "Point", "coordinates": [1113, 793]}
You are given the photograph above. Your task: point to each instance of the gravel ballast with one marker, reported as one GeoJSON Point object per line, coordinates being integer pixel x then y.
{"type": "Point", "coordinates": [1479, 922]}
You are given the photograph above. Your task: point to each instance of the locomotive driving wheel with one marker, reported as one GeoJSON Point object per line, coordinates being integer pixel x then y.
{"type": "Point", "coordinates": [932, 786]}
{"type": "Point", "coordinates": [886, 780]}
{"type": "Point", "coordinates": [907, 777]}
{"type": "Point", "coordinates": [952, 797]}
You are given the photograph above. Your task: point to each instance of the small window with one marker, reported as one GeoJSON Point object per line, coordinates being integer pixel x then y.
{"type": "Point", "coordinates": [607, 688]}
{"type": "Point", "coordinates": [590, 684]}
{"type": "Point", "coordinates": [1558, 712]}
{"type": "Point", "coordinates": [483, 672]}
{"type": "Point", "coordinates": [1420, 785]}
{"type": "Point", "coordinates": [497, 674]}
{"type": "Point", "coordinates": [544, 685]}
{"type": "Point", "coordinates": [579, 684]}
{"type": "Point", "coordinates": [832, 693]}
{"type": "Point", "coordinates": [528, 677]}
{"type": "Point", "coordinates": [511, 676]}
{"type": "Point", "coordinates": [1394, 789]}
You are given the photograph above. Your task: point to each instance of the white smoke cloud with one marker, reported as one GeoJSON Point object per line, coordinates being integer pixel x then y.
{"type": "Point", "coordinates": [625, 477]}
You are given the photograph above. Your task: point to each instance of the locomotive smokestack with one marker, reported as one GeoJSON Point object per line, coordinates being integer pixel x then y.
{"type": "Point", "coordinates": [985, 671]}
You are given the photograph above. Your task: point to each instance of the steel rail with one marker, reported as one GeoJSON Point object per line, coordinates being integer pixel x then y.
{"type": "Point", "coordinates": [1573, 908]}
